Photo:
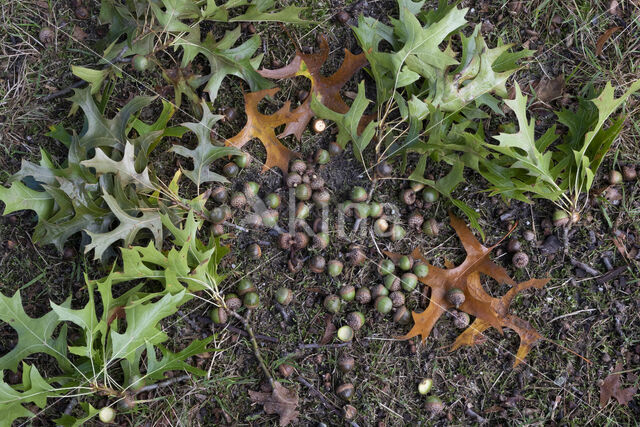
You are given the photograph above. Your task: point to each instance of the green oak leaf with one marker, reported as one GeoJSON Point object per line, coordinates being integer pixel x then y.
{"type": "Point", "coordinates": [20, 197]}
{"type": "Point", "coordinates": [124, 170]}
{"type": "Point", "coordinates": [34, 389]}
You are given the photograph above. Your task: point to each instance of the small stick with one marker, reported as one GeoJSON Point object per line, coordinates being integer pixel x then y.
{"type": "Point", "coordinates": [254, 342]}
{"type": "Point", "coordinates": [592, 271]}
{"type": "Point", "coordinates": [610, 275]}
{"type": "Point", "coordinates": [163, 383]}
{"type": "Point", "coordinates": [470, 412]}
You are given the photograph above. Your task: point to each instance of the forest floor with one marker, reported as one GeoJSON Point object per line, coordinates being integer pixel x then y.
{"type": "Point", "coordinates": [590, 320]}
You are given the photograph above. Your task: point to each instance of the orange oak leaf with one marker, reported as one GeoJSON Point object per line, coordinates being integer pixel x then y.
{"type": "Point", "coordinates": [262, 127]}
{"type": "Point", "coordinates": [326, 89]}
{"type": "Point", "coordinates": [611, 388]}
{"type": "Point", "coordinates": [487, 310]}
{"type": "Point", "coordinates": [281, 401]}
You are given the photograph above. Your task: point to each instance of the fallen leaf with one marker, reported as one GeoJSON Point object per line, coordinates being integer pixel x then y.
{"type": "Point", "coordinates": [329, 330]}
{"type": "Point", "coordinates": [487, 310]}
{"type": "Point", "coordinates": [603, 39]}
{"type": "Point", "coordinates": [281, 401]}
{"type": "Point", "coordinates": [78, 34]}
{"type": "Point", "coordinates": [611, 388]}
{"type": "Point", "coordinates": [263, 127]}
{"type": "Point", "coordinates": [326, 89]}
{"type": "Point", "coordinates": [548, 90]}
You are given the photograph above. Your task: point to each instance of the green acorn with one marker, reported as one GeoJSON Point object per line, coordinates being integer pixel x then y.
{"type": "Point", "coordinates": [272, 200]}
{"type": "Point", "coordinates": [140, 63]}
{"type": "Point", "coordinates": [386, 267]}
{"type": "Point", "coordinates": [430, 195]}
{"type": "Point", "coordinates": [245, 286]}
{"type": "Point", "coordinates": [358, 194]}
{"type": "Point", "coordinates": [284, 296]}
{"type": "Point", "coordinates": [334, 267]}
{"type": "Point", "coordinates": [345, 333]}
{"type": "Point", "coordinates": [218, 315]}
{"type": "Point", "coordinates": [405, 263]}
{"type": "Point", "coordinates": [409, 281]}
{"type": "Point", "coordinates": [347, 293]}
{"type": "Point", "coordinates": [384, 304]}
{"type": "Point", "coordinates": [420, 270]}
{"type": "Point", "coordinates": [332, 303]}
{"type": "Point", "coordinates": [251, 300]}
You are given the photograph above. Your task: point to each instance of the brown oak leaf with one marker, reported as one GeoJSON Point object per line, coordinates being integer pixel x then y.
{"type": "Point", "coordinates": [281, 401]}
{"type": "Point", "coordinates": [611, 388]}
{"type": "Point", "coordinates": [487, 310]}
{"type": "Point", "coordinates": [326, 89]}
{"type": "Point", "coordinates": [262, 127]}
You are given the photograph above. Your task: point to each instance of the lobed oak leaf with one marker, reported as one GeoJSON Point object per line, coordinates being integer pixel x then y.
{"type": "Point", "coordinates": [263, 127]}
{"type": "Point", "coordinates": [326, 89]}
{"type": "Point", "coordinates": [487, 310]}
{"type": "Point", "coordinates": [611, 388]}
{"type": "Point", "coordinates": [281, 401]}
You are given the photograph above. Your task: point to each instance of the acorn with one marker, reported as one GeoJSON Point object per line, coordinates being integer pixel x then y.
{"type": "Point", "coordinates": [253, 220]}
{"type": "Point", "coordinates": [560, 218]}
{"type": "Point", "coordinates": [416, 186]}
{"type": "Point", "coordinates": [322, 157]}
{"type": "Point", "coordinates": [346, 207]}
{"type": "Point", "coordinates": [356, 255]}
{"type": "Point", "coordinates": [303, 192]}
{"type": "Point", "coordinates": [405, 263]}
{"type": "Point", "coordinates": [230, 114]}
{"type": "Point", "coordinates": [362, 210]}
{"type": "Point", "coordinates": [358, 194]}
{"type": "Point", "coordinates": [430, 195]}
{"type": "Point", "coordinates": [317, 264]}
{"type": "Point", "coordinates": [384, 169]}
{"type": "Point", "coordinates": [379, 291]}
{"type": "Point", "coordinates": [397, 299]}
{"type": "Point", "coordinates": [107, 414]}
{"type": "Point", "coordinates": [270, 218]}
{"type": "Point", "coordinates": [332, 303]}
{"type": "Point", "coordinates": [615, 177]}
{"type": "Point", "coordinates": [434, 405]}
{"type": "Point", "coordinates": [355, 319]}
{"type": "Point", "coordinates": [385, 267]}
{"type": "Point", "coordinates": [232, 301]}
{"type": "Point", "coordinates": [397, 232]}
{"type": "Point", "coordinates": [219, 194]}
{"type": "Point", "coordinates": [520, 260]}
{"type": "Point", "coordinates": [345, 333]}
{"type": "Point", "coordinates": [461, 320]}
{"type": "Point", "coordinates": [285, 240]}
{"type": "Point", "coordinates": [217, 215]}
{"type": "Point", "coordinates": [300, 240]}
{"type": "Point", "coordinates": [295, 264]}
{"type": "Point", "coordinates": [455, 296]}
{"type": "Point", "coordinates": [254, 251]}
{"type": "Point", "coordinates": [284, 296]}
{"type": "Point", "coordinates": [82, 12]}
{"type": "Point", "coordinates": [425, 385]}
{"type": "Point", "coordinates": [402, 316]}
{"type": "Point", "coordinates": [248, 27]}
{"type": "Point", "coordinates": [321, 198]}
{"type": "Point", "coordinates": [285, 370]}
{"type": "Point", "coordinates": [380, 226]}
{"type": "Point", "coordinates": [409, 281]}
{"type": "Point", "coordinates": [245, 286]}
{"type": "Point", "coordinates": [320, 226]}
{"type": "Point", "coordinates": [346, 363]}
{"type": "Point", "coordinates": [334, 268]}
{"type": "Point", "coordinates": [529, 236]}
{"type": "Point", "coordinates": [431, 227]}
{"type": "Point", "coordinates": [345, 391]}
{"type": "Point", "coordinates": [228, 213]}
{"type": "Point", "coordinates": [408, 196]}
{"type": "Point", "coordinates": [363, 295]}
{"type": "Point", "coordinates": [318, 125]}
{"type": "Point", "coordinates": [343, 17]}
{"type": "Point", "coordinates": [316, 183]}
{"type": "Point", "coordinates": [250, 189]}
{"type": "Point", "coordinates": [251, 300]}
{"type": "Point", "coordinates": [347, 293]}
{"type": "Point", "coordinates": [375, 209]}
{"type": "Point", "coordinates": [420, 270]}
{"type": "Point", "coordinates": [392, 282]}
{"type": "Point", "coordinates": [321, 240]}
{"type": "Point", "coordinates": [46, 35]}
{"type": "Point", "coordinates": [293, 180]}
{"type": "Point", "coordinates": [629, 173]}
{"type": "Point", "coordinates": [238, 200]}
{"type": "Point", "coordinates": [230, 170]}
{"type": "Point", "coordinates": [298, 166]}
{"type": "Point", "coordinates": [349, 412]}
{"type": "Point", "coordinates": [302, 210]}
{"type": "Point", "coordinates": [218, 316]}
{"type": "Point", "coordinates": [68, 253]}
{"type": "Point", "coordinates": [513, 245]}
{"type": "Point", "coordinates": [334, 149]}
{"type": "Point", "coordinates": [383, 304]}
{"type": "Point", "coordinates": [272, 201]}
{"type": "Point", "coordinates": [415, 220]}
{"type": "Point", "coordinates": [243, 160]}
{"type": "Point", "coordinates": [217, 230]}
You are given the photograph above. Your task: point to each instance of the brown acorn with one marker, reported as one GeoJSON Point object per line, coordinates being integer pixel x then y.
{"type": "Point", "coordinates": [254, 251]}
{"type": "Point", "coordinates": [238, 200]}
{"type": "Point", "coordinates": [321, 198]}
{"type": "Point", "coordinates": [397, 299]}
{"type": "Point", "coordinates": [455, 296]}
{"type": "Point", "coordinates": [345, 391]}
{"type": "Point", "coordinates": [520, 260]}
{"type": "Point", "coordinates": [232, 301]}
{"type": "Point", "coordinates": [415, 220]}
{"type": "Point", "coordinates": [293, 180]}
{"type": "Point", "coordinates": [82, 12]}
{"type": "Point", "coordinates": [629, 172]}
{"type": "Point", "coordinates": [334, 149]}
{"type": "Point", "coordinates": [285, 370]}
{"type": "Point", "coordinates": [513, 245]}
{"type": "Point", "coordinates": [253, 221]}
{"type": "Point", "coordinates": [402, 316]}
{"type": "Point", "coordinates": [321, 240]}
{"type": "Point", "coordinates": [284, 241]}
{"type": "Point", "coordinates": [300, 240]}
{"type": "Point", "coordinates": [298, 166]}
{"type": "Point", "coordinates": [295, 264]}
{"type": "Point", "coordinates": [343, 17]}
{"type": "Point", "coordinates": [349, 412]}
{"type": "Point", "coordinates": [316, 183]}
{"type": "Point", "coordinates": [317, 264]}
{"type": "Point", "coordinates": [461, 319]}
{"type": "Point", "coordinates": [219, 194]}
{"type": "Point", "coordinates": [356, 255]}
{"type": "Point", "coordinates": [320, 226]}
{"type": "Point", "coordinates": [408, 196]}
{"type": "Point", "coordinates": [384, 169]}
{"type": "Point", "coordinates": [363, 295]}
{"type": "Point", "coordinates": [302, 95]}
{"type": "Point", "coordinates": [217, 230]}
{"type": "Point", "coordinates": [46, 35]}
{"type": "Point", "coordinates": [346, 363]}
{"type": "Point", "coordinates": [229, 113]}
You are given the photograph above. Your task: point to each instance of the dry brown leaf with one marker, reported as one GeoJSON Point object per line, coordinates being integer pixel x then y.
{"type": "Point", "coordinates": [603, 39]}
{"type": "Point", "coordinates": [611, 388]}
{"type": "Point", "coordinates": [488, 311]}
{"type": "Point", "coordinates": [263, 127]}
{"type": "Point", "coordinates": [548, 90]}
{"type": "Point", "coordinates": [329, 330]}
{"type": "Point", "coordinates": [281, 401]}
{"type": "Point", "coordinates": [79, 34]}
{"type": "Point", "coordinates": [327, 89]}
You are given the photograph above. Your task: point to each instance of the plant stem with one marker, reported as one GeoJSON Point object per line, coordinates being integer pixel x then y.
{"type": "Point", "coordinates": [254, 343]}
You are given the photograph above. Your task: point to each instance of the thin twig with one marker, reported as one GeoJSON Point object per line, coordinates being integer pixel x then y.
{"type": "Point", "coordinates": [163, 383]}
{"type": "Point", "coordinates": [587, 268]}
{"type": "Point", "coordinates": [254, 342]}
